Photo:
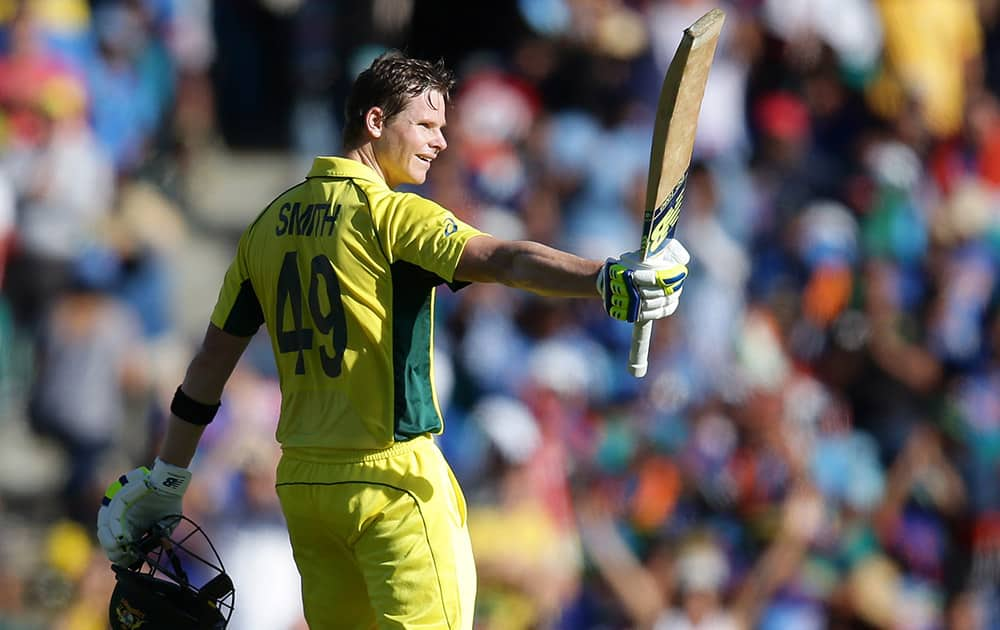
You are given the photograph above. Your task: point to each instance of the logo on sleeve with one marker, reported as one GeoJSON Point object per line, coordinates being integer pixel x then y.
{"type": "Point", "coordinates": [450, 226]}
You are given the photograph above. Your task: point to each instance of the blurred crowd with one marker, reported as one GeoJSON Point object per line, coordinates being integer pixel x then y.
{"type": "Point", "coordinates": [817, 442]}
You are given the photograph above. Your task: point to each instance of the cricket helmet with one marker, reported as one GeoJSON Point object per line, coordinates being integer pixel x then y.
{"type": "Point", "coordinates": [160, 591]}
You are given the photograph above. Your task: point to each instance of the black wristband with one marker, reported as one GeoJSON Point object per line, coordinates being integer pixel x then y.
{"type": "Point", "coordinates": [190, 410]}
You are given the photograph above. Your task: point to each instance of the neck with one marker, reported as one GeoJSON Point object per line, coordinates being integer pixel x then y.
{"type": "Point", "coordinates": [366, 155]}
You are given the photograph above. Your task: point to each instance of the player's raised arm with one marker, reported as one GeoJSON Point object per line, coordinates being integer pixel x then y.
{"type": "Point", "coordinates": [528, 265]}
{"type": "Point", "coordinates": [631, 290]}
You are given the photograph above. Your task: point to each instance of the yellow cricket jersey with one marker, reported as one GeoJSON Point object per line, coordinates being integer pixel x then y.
{"type": "Point", "coordinates": [343, 271]}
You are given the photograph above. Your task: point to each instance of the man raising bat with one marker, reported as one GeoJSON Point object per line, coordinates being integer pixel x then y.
{"type": "Point", "coordinates": [342, 270]}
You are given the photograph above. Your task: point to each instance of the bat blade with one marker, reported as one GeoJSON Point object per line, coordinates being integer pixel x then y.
{"type": "Point", "coordinates": [671, 149]}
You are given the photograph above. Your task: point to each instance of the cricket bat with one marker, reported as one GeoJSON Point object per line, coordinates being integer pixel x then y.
{"type": "Point", "coordinates": [670, 154]}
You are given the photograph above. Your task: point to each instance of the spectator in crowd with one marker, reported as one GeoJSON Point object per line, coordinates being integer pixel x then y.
{"type": "Point", "coordinates": [90, 364]}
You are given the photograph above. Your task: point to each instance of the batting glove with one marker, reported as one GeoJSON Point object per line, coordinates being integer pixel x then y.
{"type": "Point", "coordinates": [635, 290]}
{"type": "Point", "coordinates": [136, 502]}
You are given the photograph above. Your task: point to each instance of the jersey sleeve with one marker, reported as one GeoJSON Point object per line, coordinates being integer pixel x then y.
{"type": "Point", "coordinates": [419, 231]}
{"type": "Point", "coordinates": [238, 311]}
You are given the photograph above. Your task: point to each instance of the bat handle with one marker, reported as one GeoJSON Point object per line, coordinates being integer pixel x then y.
{"type": "Point", "coordinates": [639, 352]}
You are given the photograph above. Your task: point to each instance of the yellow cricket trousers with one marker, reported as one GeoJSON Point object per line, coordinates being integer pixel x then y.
{"type": "Point", "coordinates": [380, 538]}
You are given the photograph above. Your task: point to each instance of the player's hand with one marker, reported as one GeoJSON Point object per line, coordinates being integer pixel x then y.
{"type": "Point", "coordinates": [136, 502]}
{"type": "Point", "coordinates": [637, 291]}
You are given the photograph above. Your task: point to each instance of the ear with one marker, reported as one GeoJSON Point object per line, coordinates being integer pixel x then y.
{"type": "Point", "coordinates": [374, 122]}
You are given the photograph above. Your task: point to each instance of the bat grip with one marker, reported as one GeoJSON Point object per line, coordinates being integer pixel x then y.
{"type": "Point", "coordinates": [639, 352]}
{"type": "Point", "coordinates": [641, 333]}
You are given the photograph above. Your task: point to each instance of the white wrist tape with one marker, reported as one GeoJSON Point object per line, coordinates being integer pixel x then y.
{"type": "Point", "coordinates": [169, 479]}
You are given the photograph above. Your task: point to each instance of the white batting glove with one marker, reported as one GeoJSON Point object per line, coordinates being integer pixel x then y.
{"type": "Point", "coordinates": [136, 502]}
{"type": "Point", "coordinates": [636, 291]}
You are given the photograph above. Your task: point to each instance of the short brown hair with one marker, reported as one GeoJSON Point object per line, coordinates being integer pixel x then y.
{"type": "Point", "coordinates": [389, 82]}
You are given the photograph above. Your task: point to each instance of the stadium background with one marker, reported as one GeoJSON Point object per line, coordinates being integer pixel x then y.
{"type": "Point", "coordinates": [817, 443]}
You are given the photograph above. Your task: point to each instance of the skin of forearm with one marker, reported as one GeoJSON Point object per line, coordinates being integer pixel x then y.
{"type": "Point", "coordinates": [204, 381]}
{"type": "Point", "coordinates": [547, 271]}
{"type": "Point", "coordinates": [180, 442]}
{"type": "Point", "coordinates": [773, 569]}
{"type": "Point", "coordinates": [908, 363]}
{"type": "Point", "coordinates": [631, 582]}
{"type": "Point", "coordinates": [201, 384]}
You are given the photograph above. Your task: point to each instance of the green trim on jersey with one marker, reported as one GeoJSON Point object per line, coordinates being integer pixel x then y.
{"type": "Point", "coordinates": [246, 316]}
{"type": "Point", "coordinates": [414, 402]}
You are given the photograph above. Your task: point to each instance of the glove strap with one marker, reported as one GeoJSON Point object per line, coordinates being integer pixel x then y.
{"type": "Point", "coordinates": [169, 479]}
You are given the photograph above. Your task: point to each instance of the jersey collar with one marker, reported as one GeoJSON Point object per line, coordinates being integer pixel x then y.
{"type": "Point", "coordinates": [328, 166]}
